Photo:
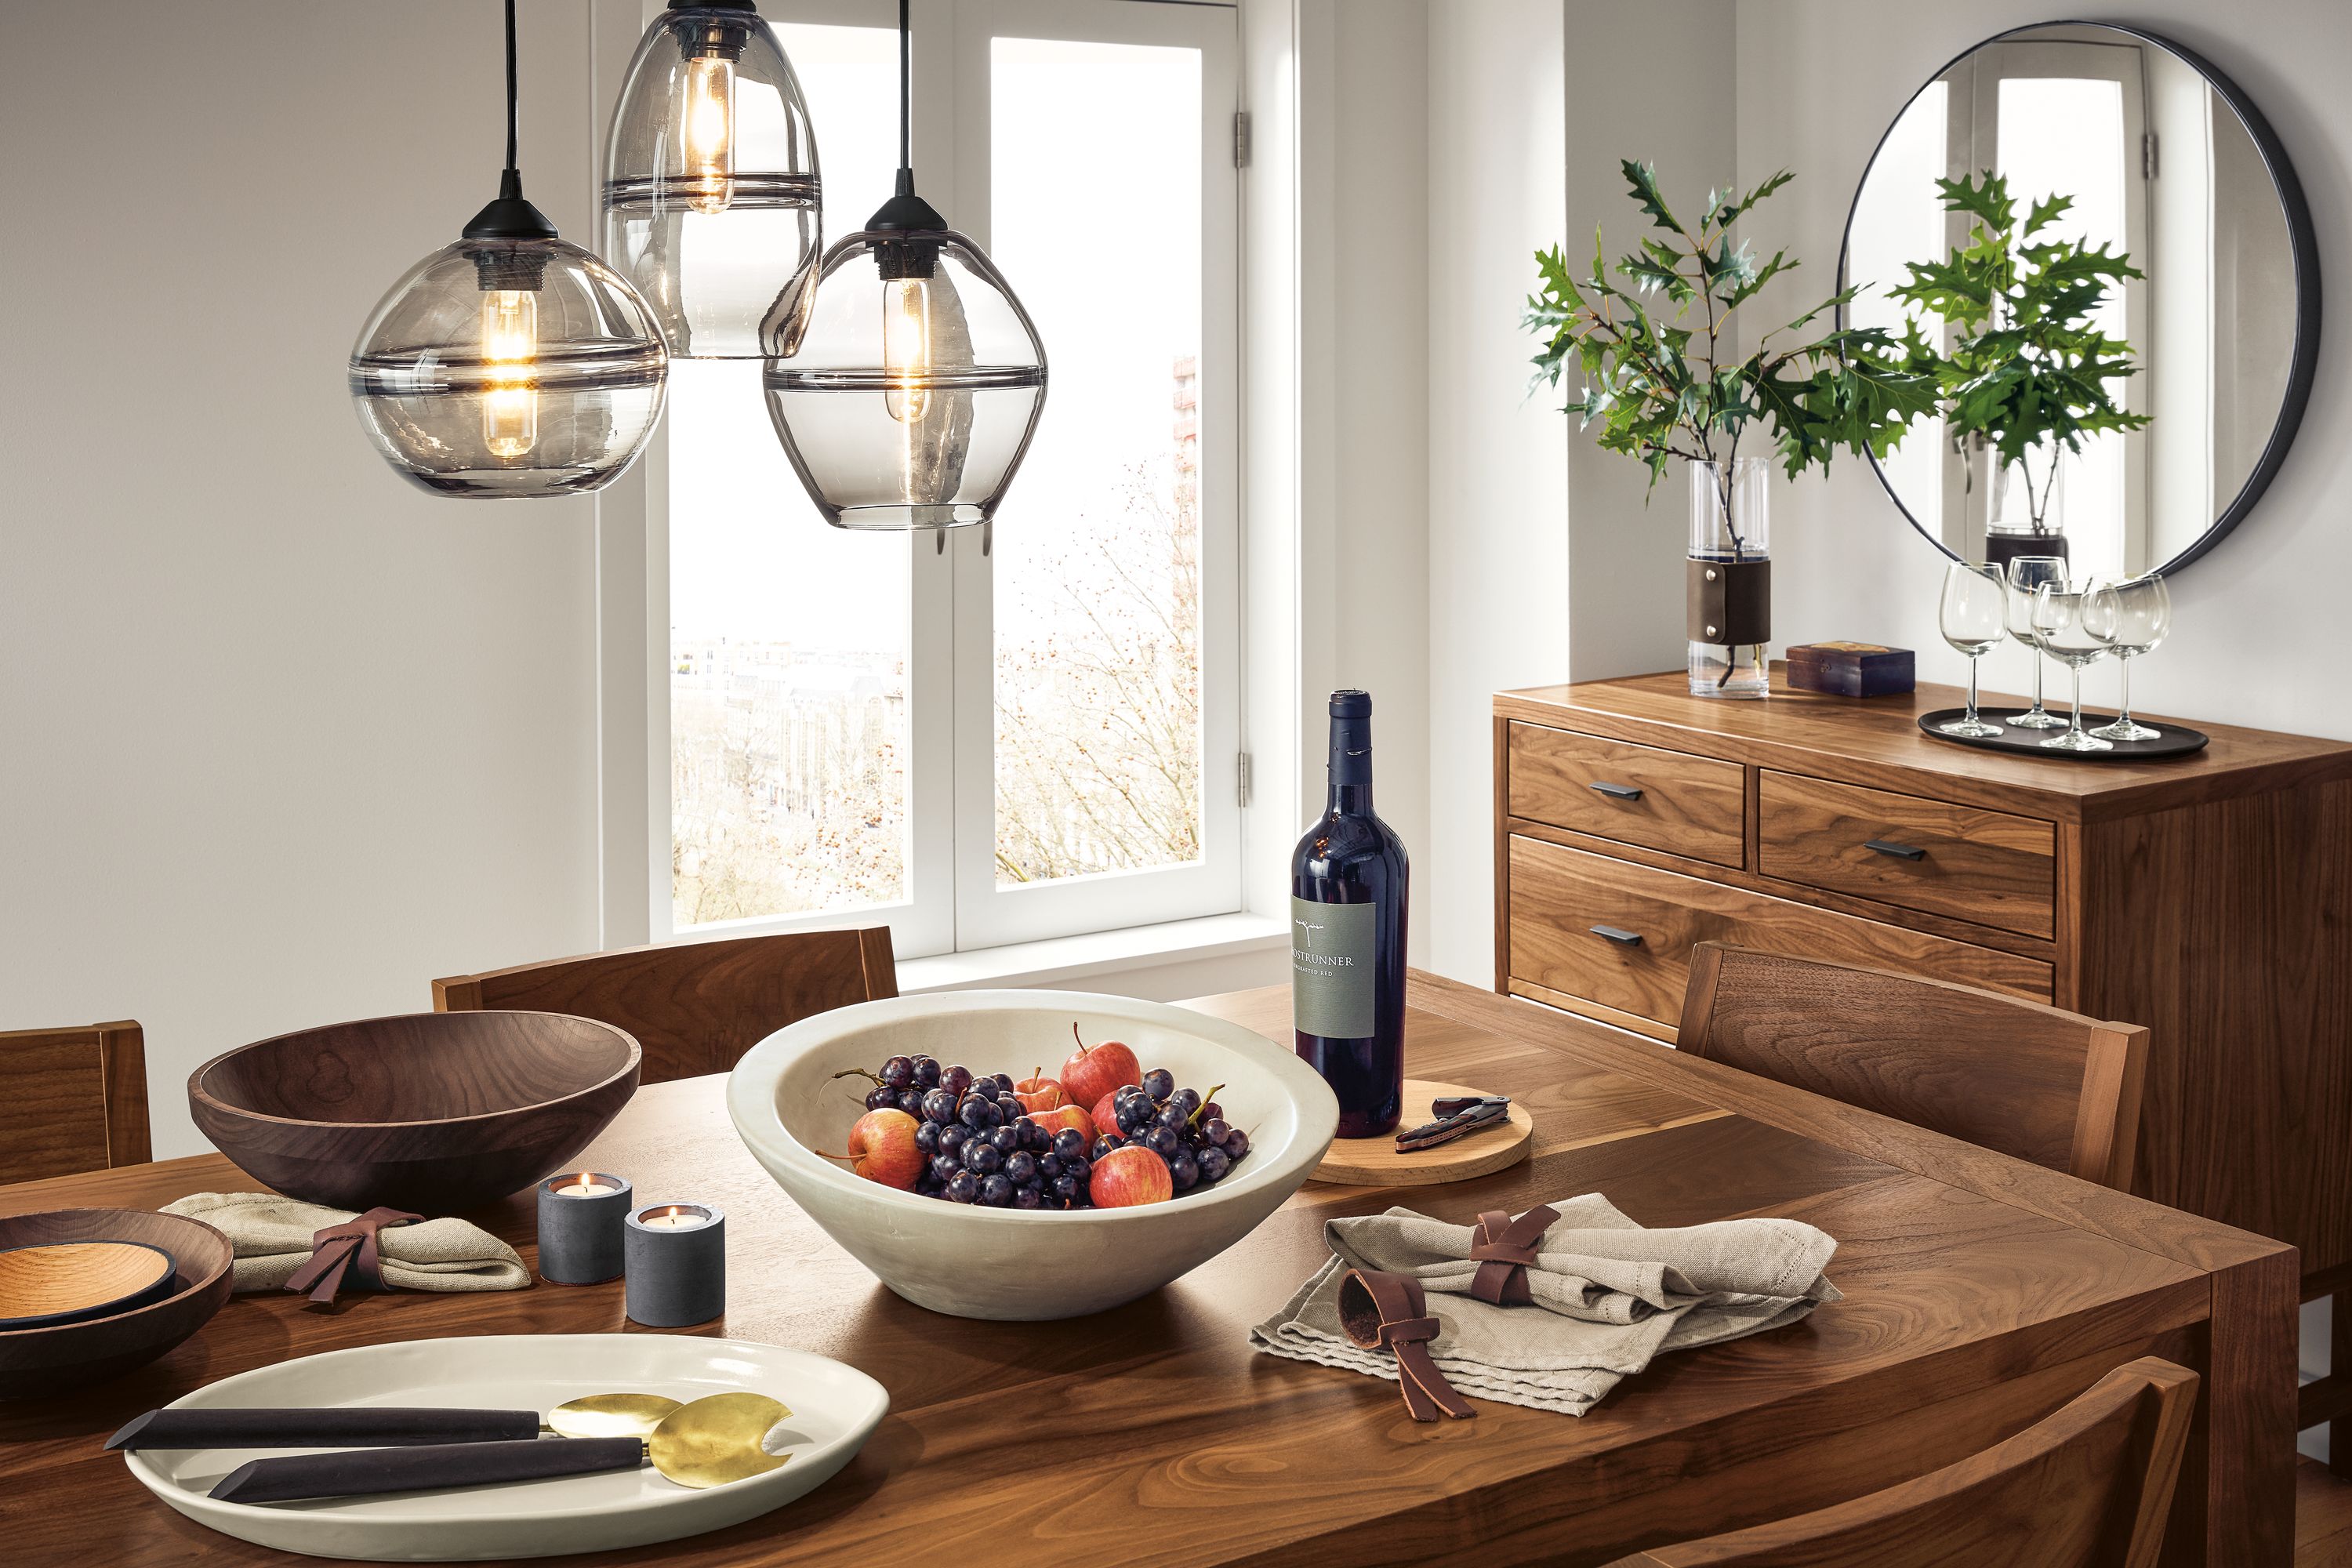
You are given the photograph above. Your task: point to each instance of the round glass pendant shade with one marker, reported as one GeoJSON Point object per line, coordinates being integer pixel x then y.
{"type": "Point", "coordinates": [711, 193]}
{"type": "Point", "coordinates": [509, 367]}
{"type": "Point", "coordinates": [916, 388]}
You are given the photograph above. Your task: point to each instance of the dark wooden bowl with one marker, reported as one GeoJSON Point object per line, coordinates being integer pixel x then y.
{"type": "Point", "coordinates": [432, 1112]}
{"type": "Point", "coordinates": [70, 1355]}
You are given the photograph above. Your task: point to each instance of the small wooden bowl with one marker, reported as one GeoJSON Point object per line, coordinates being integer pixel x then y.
{"type": "Point", "coordinates": [64, 1281]}
{"type": "Point", "coordinates": [35, 1361]}
{"type": "Point", "coordinates": [432, 1112]}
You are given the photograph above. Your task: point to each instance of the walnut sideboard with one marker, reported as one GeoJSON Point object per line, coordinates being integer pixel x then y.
{"type": "Point", "coordinates": [2207, 897]}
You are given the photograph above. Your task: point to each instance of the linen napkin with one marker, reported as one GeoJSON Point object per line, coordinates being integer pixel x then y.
{"type": "Point", "coordinates": [271, 1236]}
{"type": "Point", "coordinates": [1606, 1296]}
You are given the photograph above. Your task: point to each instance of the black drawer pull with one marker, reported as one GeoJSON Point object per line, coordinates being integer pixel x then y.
{"type": "Point", "coordinates": [1900, 851]}
{"type": "Point", "coordinates": [1617, 791]}
{"type": "Point", "coordinates": [1619, 935]}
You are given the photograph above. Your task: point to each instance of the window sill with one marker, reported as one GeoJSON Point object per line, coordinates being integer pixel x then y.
{"type": "Point", "coordinates": [1060, 960]}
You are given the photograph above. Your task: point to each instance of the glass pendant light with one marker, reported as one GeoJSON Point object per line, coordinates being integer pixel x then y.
{"type": "Point", "coordinates": [711, 193]}
{"type": "Point", "coordinates": [509, 363]}
{"type": "Point", "coordinates": [914, 391]}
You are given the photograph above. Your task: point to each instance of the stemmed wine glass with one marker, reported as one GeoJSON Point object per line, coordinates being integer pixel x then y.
{"type": "Point", "coordinates": [2058, 630]}
{"type": "Point", "coordinates": [2026, 574]}
{"type": "Point", "coordinates": [2130, 619]}
{"type": "Point", "coordinates": [1973, 615]}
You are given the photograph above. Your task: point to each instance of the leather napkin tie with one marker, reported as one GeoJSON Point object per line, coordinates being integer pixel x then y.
{"type": "Point", "coordinates": [1502, 1248]}
{"type": "Point", "coordinates": [1387, 1311]}
{"type": "Point", "coordinates": [346, 1251]}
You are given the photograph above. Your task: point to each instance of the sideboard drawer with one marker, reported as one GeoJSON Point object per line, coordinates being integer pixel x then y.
{"type": "Point", "coordinates": [1621, 934]}
{"type": "Point", "coordinates": [1636, 795]}
{"type": "Point", "coordinates": [1974, 865]}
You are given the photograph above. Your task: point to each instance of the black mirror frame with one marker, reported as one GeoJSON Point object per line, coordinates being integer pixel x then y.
{"type": "Point", "coordinates": [2302, 368]}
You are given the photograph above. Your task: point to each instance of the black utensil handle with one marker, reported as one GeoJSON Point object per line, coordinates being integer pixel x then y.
{"type": "Point", "coordinates": [1616, 791]}
{"type": "Point", "coordinates": [366, 1472]}
{"type": "Point", "coordinates": [1900, 851]}
{"type": "Point", "coordinates": [353, 1427]}
{"type": "Point", "coordinates": [1619, 935]}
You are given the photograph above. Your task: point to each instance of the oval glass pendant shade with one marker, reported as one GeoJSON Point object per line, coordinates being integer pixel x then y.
{"type": "Point", "coordinates": [916, 388]}
{"type": "Point", "coordinates": [509, 367]}
{"type": "Point", "coordinates": [712, 190]}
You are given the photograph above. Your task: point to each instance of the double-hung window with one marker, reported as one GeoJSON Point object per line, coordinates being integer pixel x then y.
{"type": "Point", "coordinates": [998, 734]}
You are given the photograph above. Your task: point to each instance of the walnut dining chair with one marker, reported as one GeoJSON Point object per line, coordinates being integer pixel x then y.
{"type": "Point", "coordinates": [694, 1007]}
{"type": "Point", "coordinates": [1996, 1070]}
{"type": "Point", "coordinates": [2089, 1486]}
{"type": "Point", "coordinates": [76, 1100]}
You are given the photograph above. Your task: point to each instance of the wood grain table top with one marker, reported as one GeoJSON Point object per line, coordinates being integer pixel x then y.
{"type": "Point", "coordinates": [1880, 736]}
{"type": "Point", "coordinates": [1980, 1293]}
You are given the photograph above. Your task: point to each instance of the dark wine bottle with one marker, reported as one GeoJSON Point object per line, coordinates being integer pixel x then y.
{"type": "Point", "coordinates": [1347, 937]}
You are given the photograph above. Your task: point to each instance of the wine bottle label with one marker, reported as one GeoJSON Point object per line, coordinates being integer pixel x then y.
{"type": "Point", "coordinates": [1331, 957]}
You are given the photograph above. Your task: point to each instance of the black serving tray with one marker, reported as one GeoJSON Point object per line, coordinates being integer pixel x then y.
{"type": "Point", "coordinates": [2177, 740]}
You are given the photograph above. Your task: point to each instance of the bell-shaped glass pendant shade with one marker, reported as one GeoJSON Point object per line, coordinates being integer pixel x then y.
{"type": "Point", "coordinates": [712, 194]}
{"type": "Point", "coordinates": [509, 366]}
{"type": "Point", "coordinates": [916, 387]}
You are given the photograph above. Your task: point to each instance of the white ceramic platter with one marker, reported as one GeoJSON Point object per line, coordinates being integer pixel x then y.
{"type": "Point", "coordinates": [835, 1408]}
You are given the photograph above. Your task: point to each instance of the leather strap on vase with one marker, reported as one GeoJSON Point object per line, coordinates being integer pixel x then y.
{"type": "Point", "coordinates": [346, 1253]}
{"type": "Point", "coordinates": [1502, 1248]}
{"type": "Point", "coordinates": [1387, 1311]}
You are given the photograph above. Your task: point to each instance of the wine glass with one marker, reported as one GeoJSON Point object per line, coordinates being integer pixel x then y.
{"type": "Point", "coordinates": [2027, 573]}
{"type": "Point", "coordinates": [1973, 615]}
{"type": "Point", "coordinates": [2130, 619]}
{"type": "Point", "coordinates": [2058, 630]}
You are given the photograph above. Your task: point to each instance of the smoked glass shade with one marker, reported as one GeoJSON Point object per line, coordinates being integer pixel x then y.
{"type": "Point", "coordinates": [916, 388]}
{"type": "Point", "coordinates": [509, 367]}
{"type": "Point", "coordinates": [712, 194]}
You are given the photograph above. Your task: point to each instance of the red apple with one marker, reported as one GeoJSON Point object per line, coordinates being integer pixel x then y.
{"type": "Point", "coordinates": [1063, 1116]}
{"type": "Point", "coordinates": [1094, 1072]}
{"type": "Point", "coordinates": [1130, 1176]}
{"type": "Point", "coordinates": [1038, 1092]}
{"type": "Point", "coordinates": [1105, 1111]}
{"type": "Point", "coordinates": [882, 1148]}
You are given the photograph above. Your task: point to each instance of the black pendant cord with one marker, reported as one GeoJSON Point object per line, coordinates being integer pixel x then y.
{"type": "Point", "coordinates": [514, 96]}
{"type": "Point", "coordinates": [906, 90]}
{"type": "Point", "coordinates": [511, 217]}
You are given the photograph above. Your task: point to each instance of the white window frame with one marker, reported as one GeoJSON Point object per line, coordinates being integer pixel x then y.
{"type": "Point", "coordinates": [950, 803]}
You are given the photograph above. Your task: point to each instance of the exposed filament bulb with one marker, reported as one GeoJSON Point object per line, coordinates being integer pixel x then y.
{"type": "Point", "coordinates": [907, 348]}
{"type": "Point", "coordinates": [511, 345]}
{"type": "Point", "coordinates": [710, 132]}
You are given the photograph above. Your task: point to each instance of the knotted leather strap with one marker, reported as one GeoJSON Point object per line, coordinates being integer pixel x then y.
{"type": "Point", "coordinates": [346, 1253]}
{"type": "Point", "coordinates": [1502, 1248]}
{"type": "Point", "coordinates": [1387, 1311]}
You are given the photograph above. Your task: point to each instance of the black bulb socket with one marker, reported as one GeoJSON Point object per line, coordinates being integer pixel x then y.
{"type": "Point", "coordinates": [703, 36]}
{"type": "Point", "coordinates": [509, 217]}
{"type": "Point", "coordinates": [906, 214]}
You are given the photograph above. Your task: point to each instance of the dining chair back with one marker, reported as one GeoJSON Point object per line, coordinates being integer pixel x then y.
{"type": "Point", "coordinates": [2088, 1486]}
{"type": "Point", "coordinates": [1996, 1070]}
{"type": "Point", "coordinates": [76, 1100]}
{"type": "Point", "coordinates": [694, 1007]}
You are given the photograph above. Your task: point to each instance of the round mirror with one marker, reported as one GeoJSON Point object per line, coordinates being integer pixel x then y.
{"type": "Point", "coordinates": [2098, 245]}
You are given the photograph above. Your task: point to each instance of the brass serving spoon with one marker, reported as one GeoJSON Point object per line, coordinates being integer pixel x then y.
{"type": "Point", "coordinates": [378, 1426]}
{"type": "Point", "coordinates": [705, 1442]}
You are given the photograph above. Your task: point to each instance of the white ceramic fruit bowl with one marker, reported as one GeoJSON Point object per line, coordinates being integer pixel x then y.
{"type": "Point", "coordinates": [787, 1104]}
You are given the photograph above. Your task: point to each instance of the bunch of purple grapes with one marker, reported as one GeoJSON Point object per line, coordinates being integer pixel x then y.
{"type": "Point", "coordinates": [1177, 1124]}
{"type": "Point", "coordinates": [982, 1148]}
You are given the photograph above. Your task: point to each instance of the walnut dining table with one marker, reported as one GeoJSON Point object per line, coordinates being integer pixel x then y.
{"type": "Point", "coordinates": [1980, 1293]}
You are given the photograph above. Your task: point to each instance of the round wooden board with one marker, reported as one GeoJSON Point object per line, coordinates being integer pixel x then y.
{"type": "Point", "coordinates": [1375, 1163]}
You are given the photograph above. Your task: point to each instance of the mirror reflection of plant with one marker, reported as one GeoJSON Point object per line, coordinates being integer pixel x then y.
{"type": "Point", "coordinates": [1662, 391]}
{"type": "Point", "coordinates": [2027, 365]}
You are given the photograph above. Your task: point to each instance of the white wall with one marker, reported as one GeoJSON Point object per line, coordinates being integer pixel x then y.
{"type": "Point", "coordinates": [284, 737]}
{"type": "Point", "coordinates": [1498, 459]}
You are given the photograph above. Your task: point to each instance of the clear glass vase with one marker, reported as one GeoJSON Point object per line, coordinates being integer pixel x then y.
{"type": "Point", "coordinates": [1730, 573]}
{"type": "Point", "coordinates": [2028, 511]}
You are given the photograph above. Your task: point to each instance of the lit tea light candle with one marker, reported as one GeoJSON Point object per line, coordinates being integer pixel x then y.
{"type": "Point", "coordinates": [676, 1264]}
{"type": "Point", "coordinates": [579, 1219]}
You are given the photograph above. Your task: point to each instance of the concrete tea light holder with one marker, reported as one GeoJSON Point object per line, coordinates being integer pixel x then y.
{"type": "Point", "coordinates": [580, 1214]}
{"type": "Point", "coordinates": [676, 1255]}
